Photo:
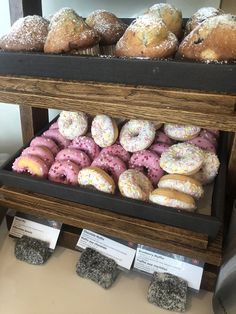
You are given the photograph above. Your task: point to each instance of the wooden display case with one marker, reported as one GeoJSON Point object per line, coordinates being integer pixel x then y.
{"type": "Point", "coordinates": [35, 95]}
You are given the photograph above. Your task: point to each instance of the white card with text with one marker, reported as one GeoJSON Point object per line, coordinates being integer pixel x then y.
{"type": "Point", "coordinates": [45, 232]}
{"type": "Point", "coordinates": [149, 260]}
{"type": "Point", "coordinates": [122, 254]}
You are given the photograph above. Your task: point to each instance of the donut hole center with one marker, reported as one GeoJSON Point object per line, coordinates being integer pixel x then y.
{"type": "Point", "coordinates": [136, 134]}
{"type": "Point", "coordinates": [63, 177]}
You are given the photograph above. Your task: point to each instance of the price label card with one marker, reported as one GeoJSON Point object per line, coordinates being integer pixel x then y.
{"type": "Point", "coordinates": [149, 260]}
{"type": "Point", "coordinates": [41, 229]}
{"type": "Point", "coordinates": [122, 254]}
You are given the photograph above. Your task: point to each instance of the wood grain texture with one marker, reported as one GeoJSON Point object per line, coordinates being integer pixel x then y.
{"type": "Point", "coordinates": [136, 230]}
{"type": "Point", "coordinates": [205, 110]}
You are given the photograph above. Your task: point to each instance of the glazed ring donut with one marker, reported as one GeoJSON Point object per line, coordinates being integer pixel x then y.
{"type": "Point", "coordinates": [183, 184]}
{"type": "Point", "coordinates": [209, 136]}
{"type": "Point", "coordinates": [134, 184]}
{"type": "Point", "coordinates": [44, 141]}
{"type": "Point", "coordinates": [64, 171]}
{"type": "Point", "coordinates": [72, 124]}
{"type": "Point", "coordinates": [111, 164]}
{"type": "Point", "coordinates": [77, 156]}
{"type": "Point", "coordinates": [31, 164]}
{"type": "Point", "coordinates": [149, 161]}
{"type": "Point", "coordinates": [181, 132]}
{"type": "Point", "coordinates": [161, 137]}
{"type": "Point", "coordinates": [118, 151]}
{"type": "Point", "coordinates": [172, 198]}
{"type": "Point", "coordinates": [57, 137]}
{"type": "Point", "coordinates": [203, 143]}
{"type": "Point", "coordinates": [42, 152]}
{"type": "Point", "coordinates": [104, 130]}
{"type": "Point", "coordinates": [98, 178]}
{"type": "Point", "coordinates": [137, 135]}
{"type": "Point", "coordinates": [209, 168]}
{"type": "Point", "coordinates": [87, 145]}
{"type": "Point", "coordinates": [182, 158]}
{"type": "Point", "coordinates": [159, 148]}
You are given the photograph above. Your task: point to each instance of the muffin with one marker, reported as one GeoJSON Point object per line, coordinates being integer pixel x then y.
{"type": "Point", "coordinates": [26, 34]}
{"type": "Point", "coordinates": [200, 16]}
{"type": "Point", "coordinates": [171, 16]}
{"type": "Point", "coordinates": [213, 40]}
{"type": "Point", "coordinates": [68, 33]}
{"type": "Point", "coordinates": [147, 37]}
{"type": "Point", "coordinates": [109, 27]}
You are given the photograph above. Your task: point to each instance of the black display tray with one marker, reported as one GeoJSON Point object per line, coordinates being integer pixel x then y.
{"type": "Point", "coordinates": [171, 73]}
{"type": "Point", "coordinates": [205, 224]}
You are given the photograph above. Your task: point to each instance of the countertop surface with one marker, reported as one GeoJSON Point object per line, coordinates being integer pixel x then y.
{"type": "Point", "coordinates": [55, 288]}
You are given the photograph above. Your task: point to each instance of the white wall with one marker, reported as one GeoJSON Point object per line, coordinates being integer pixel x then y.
{"type": "Point", "coordinates": [10, 131]}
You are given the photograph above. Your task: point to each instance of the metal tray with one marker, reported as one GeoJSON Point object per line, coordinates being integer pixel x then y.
{"type": "Point", "coordinates": [205, 224]}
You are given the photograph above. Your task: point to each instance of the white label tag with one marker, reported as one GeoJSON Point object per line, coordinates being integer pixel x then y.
{"type": "Point", "coordinates": [122, 254]}
{"type": "Point", "coordinates": [21, 226]}
{"type": "Point", "coordinates": [150, 260]}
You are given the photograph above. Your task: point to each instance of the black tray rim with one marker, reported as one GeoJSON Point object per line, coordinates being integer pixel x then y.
{"type": "Point", "coordinates": [196, 222]}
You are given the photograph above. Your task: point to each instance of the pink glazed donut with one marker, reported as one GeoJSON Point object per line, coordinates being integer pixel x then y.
{"type": "Point", "coordinates": [77, 156]}
{"type": "Point", "coordinates": [57, 137]}
{"type": "Point", "coordinates": [118, 151]}
{"type": "Point", "coordinates": [86, 144]}
{"type": "Point", "coordinates": [30, 164]}
{"type": "Point", "coordinates": [202, 143]}
{"type": "Point", "coordinates": [44, 141]}
{"type": "Point", "coordinates": [111, 164]}
{"type": "Point", "coordinates": [147, 160]}
{"type": "Point", "coordinates": [42, 152]}
{"type": "Point", "coordinates": [159, 148]}
{"type": "Point", "coordinates": [161, 137]}
{"type": "Point", "coordinates": [64, 171]}
{"type": "Point", "coordinates": [209, 136]}
{"type": "Point", "coordinates": [214, 132]}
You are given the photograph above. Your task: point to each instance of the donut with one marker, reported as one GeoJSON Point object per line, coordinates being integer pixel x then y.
{"type": "Point", "coordinates": [72, 124]}
{"type": "Point", "coordinates": [159, 148]}
{"type": "Point", "coordinates": [214, 132]}
{"type": "Point", "coordinates": [161, 137]}
{"type": "Point", "coordinates": [104, 130]}
{"type": "Point", "coordinates": [31, 164]}
{"type": "Point", "coordinates": [42, 152]}
{"type": "Point", "coordinates": [182, 158]}
{"type": "Point", "coordinates": [98, 178]}
{"type": "Point", "coordinates": [171, 198]}
{"type": "Point", "coordinates": [209, 136]}
{"type": "Point", "coordinates": [134, 184]}
{"type": "Point", "coordinates": [203, 143]}
{"type": "Point", "coordinates": [87, 145]}
{"type": "Point", "coordinates": [147, 162]}
{"type": "Point", "coordinates": [181, 132]}
{"type": "Point", "coordinates": [137, 135]}
{"type": "Point", "coordinates": [209, 168]}
{"type": "Point", "coordinates": [57, 137]}
{"type": "Point", "coordinates": [118, 151]}
{"type": "Point", "coordinates": [77, 156]}
{"type": "Point", "coordinates": [111, 164]}
{"type": "Point", "coordinates": [64, 171]}
{"type": "Point", "coordinates": [183, 184]}
{"type": "Point", "coordinates": [44, 141]}
{"type": "Point", "coordinates": [54, 126]}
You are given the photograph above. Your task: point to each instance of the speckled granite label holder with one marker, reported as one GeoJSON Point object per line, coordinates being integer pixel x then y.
{"type": "Point", "coordinates": [97, 267]}
{"type": "Point", "coordinates": [32, 251]}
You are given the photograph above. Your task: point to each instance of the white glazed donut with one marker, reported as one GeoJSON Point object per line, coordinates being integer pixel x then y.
{"type": "Point", "coordinates": [209, 168]}
{"type": "Point", "coordinates": [136, 135]}
{"type": "Point", "coordinates": [181, 132]}
{"type": "Point", "coordinates": [182, 158]}
{"type": "Point", "coordinates": [183, 184]}
{"type": "Point", "coordinates": [134, 184]}
{"type": "Point", "coordinates": [171, 198]}
{"type": "Point", "coordinates": [104, 130]}
{"type": "Point", "coordinates": [72, 124]}
{"type": "Point", "coordinates": [98, 178]}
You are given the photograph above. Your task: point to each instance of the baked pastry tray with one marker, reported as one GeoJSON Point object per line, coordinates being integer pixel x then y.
{"type": "Point", "coordinates": [206, 224]}
{"type": "Point", "coordinates": [169, 73]}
